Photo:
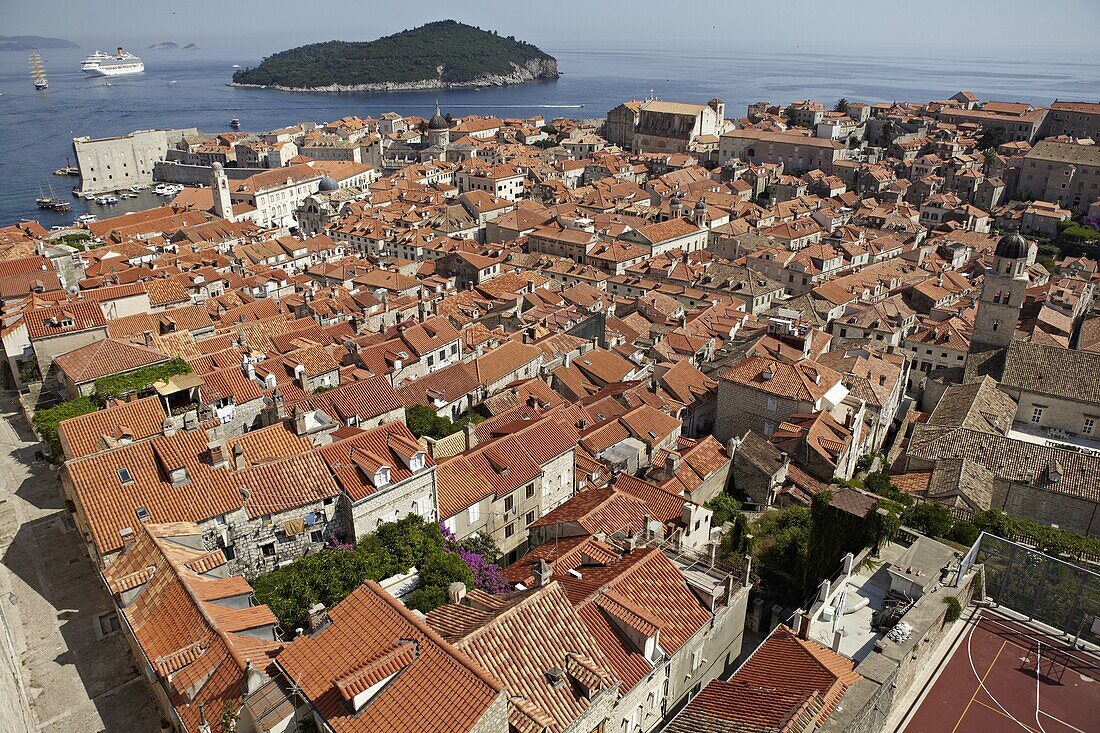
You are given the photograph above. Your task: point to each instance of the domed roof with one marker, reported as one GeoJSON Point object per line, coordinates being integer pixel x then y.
{"type": "Point", "coordinates": [328, 183]}
{"type": "Point", "coordinates": [1013, 247]}
{"type": "Point", "coordinates": [438, 121]}
{"type": "Point", "coordinates": [700, 204]}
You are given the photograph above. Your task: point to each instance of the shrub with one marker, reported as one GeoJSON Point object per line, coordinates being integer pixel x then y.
{"type": "Point", "coordinates": [423, 421]}
{"type": "Point", "coordinates": [45, 421]}
{"type": "Point", "coordinates": [954, 609]}
{"type": "Point", "coordinates": [138, 380]}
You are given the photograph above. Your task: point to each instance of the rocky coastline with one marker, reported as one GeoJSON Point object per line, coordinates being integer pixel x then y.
{"type": "Point", "coordinates": [533, 70]}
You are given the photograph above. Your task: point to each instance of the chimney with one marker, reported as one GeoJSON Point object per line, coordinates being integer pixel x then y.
{"type": "Point", "coordinates": [317, 617]}
{"type": "Point", "coordinates": [168, 427]}
{"type": "Point", "coordinates": [456, 592]}
{"type": "Point", "coordinates": [190, 420]}
{"type": "Point", "coordinates": [732, 445]}
{"type": "Point", "coordinates": [217, 453]}
{"type": "Point", "coordinates": [204, 725]}
{"type": "Point", "coordinates": [471, 437]}
{"type": "Point", "coordinates": [646, 519]}
{"type": "Point", "coordinates": [540, 569]}
{"type": "Point", "coordinates": [254, 679]}
{"type": "Point", "coordinates": [128, 538]}
{"type": "Point", "coordinates": [687, 516]}
{"type": "Point", "coordinates": [248, 368]}
{"type": "Point", "coordinates": [300, 414]}
{"type": "Point", "coordinates": [147, 338]}
{"type": "Point", "coordinates": [672, 464]}
{"type": "Point", "coordinates": [238, 457]}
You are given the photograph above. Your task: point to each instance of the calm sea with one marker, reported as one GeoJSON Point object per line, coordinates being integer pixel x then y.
{"type": "Point", "coordinates": [187, 88]}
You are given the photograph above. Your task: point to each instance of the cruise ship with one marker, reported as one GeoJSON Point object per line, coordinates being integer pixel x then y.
{"type": "Point", "coordinates": [104, 64]}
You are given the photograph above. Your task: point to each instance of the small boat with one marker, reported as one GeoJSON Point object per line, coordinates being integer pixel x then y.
{"type": "Point", "coordinates": [127, 195]}
{"type": "Point", "coordinates": [236, 66]}
{"type": "Point", "coordinates": [235, 123]}
{"type": "Point", "coordinates": [111, 199]}
{"type": "Point", "coordinates": [86, 218]}
{"type": "Point", "coordinates": [134, 189]}
{"type": "Point", "coordinates": [61, 206]}
{"type": "Point", "coordinates": [101, 200]}
{"type": "Point", "coordinates": [89, 197]}
{"type": "Point", "coordinates": [38, 72]}
{"type": "Point", "coordinates": [159, 190]}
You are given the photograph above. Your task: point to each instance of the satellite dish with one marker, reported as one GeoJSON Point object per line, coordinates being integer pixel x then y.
{"type": "Point", "coordinates": [73, 289]}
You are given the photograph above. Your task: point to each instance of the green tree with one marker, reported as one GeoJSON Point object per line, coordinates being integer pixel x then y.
{"type": "Point", "coordinates": [963, 532]}
{"type": "Point", "coordinates": [725, 508]}
{"type": "Point", "coordinates": [929, 518]}
{"type": "Point", "coordinates": [992, 137]}
{"type": "Point", "coordinates": [878, 482]}
{"type": "Point", "coordinates": [841, 105]}
{"type": "Point", "coordinates": [409, 541]}
{"type": "Point", "coordinates": [482, 544]}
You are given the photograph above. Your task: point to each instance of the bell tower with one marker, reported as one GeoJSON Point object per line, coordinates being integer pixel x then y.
{"type": "Point", "coordinates": [1003, 292]}
{"type": "Point", "coordinates": [219, 186]}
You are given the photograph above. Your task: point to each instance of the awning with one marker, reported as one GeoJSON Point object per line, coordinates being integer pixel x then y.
{"type": "Point", "coordinates": [178, 383]}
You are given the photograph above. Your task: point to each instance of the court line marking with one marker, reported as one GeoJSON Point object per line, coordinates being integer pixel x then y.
{"type": "Point", "coordinates": [1018, 628]}
{"type": "Point", "coordinates": [980, 686]}
{"type": "Point", "coordinates": [981, 681]}
{"type": "Point", "coordinates": [1062, 722]}
{"type": "Point", "coordinates": [1022, 630]}
{"type": "Point", "coordinates": [987, 706]}
{"type": "Point", "coordinates": [1038, 665]}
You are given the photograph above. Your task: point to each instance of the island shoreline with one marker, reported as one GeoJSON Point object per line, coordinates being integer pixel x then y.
{"type": "Point", "coordinates": [391, 87]}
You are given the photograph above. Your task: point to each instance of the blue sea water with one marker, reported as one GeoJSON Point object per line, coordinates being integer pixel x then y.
{"type": "Point", "coordinates": [187, 88]}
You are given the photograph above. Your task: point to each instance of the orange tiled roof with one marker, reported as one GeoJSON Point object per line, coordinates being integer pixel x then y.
{"type": "Point", "coordinates": [104, 358]}
{"type": "Point", "coordinates": [440, 689]}
{"type": "Point", "coordinates": [105, 428]}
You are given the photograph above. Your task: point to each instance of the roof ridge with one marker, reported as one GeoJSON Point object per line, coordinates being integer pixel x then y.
{"type": "Point", "coordinates": [422, 626]}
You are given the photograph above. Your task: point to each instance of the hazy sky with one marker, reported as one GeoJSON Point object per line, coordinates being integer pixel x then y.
{"type": "Point", "coordinates": [273, 25]}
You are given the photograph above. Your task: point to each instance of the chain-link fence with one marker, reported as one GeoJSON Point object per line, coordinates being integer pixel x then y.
{"type": "Point", "coordinates": [1039, 586]}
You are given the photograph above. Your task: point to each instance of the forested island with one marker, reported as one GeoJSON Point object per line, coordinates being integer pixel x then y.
{"type": "Point", "coordinates": [30, 43]}
{"type": "Point", "coordinates": [438, 55]}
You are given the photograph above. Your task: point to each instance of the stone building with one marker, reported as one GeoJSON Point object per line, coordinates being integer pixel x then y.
{"type": "Point", "coordinates": [1064, 173]}
{"type": "Point", "coordinates": [1057, 390]}
{"type": "Point", "coordinates": [384, 475]}
{"type": "Point", "coordinates": [621, 123]}
{"type": "Point", "coordinates": [797, 153]}
{"type": "Point", "coordinates": [1073, 119]}
{"type": "Point", "coordinates": [115, 163]}
{"type": "Point", "coordinates": [673, 127]}
{"type": "Point", "coordinates": [1003, 291]}
{"type": "Point", "coordinates": [759, 392]}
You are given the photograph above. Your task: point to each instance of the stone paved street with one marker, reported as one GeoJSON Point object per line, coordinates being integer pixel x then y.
{"type": "Point", "coordinates": [68, 676]}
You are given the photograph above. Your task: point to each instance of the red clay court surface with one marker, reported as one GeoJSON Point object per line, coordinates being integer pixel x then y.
{"type": "Point", "coordinates": [990, 685]}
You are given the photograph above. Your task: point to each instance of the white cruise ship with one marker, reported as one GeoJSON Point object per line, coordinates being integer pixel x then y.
{"type": "Point", "coordinates": [104, 64]}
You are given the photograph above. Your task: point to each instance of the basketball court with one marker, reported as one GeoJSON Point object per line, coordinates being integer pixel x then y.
{"type": "Point", "coordinates": [1007, 676]}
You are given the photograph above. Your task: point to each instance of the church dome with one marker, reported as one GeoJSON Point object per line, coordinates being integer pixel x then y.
{"type": "Point", "coordinates": [328, 183]}
{"type": "Point", "coordinates": [438, 121]}
{"type": "Point", "coordinates": [1012, 247]}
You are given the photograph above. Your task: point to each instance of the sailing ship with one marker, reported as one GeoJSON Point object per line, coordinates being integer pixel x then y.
{"type": "Point", "coordinates": [38, 72]}
{"type": "Point", "coordinates": [52, 202]}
